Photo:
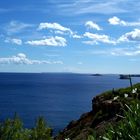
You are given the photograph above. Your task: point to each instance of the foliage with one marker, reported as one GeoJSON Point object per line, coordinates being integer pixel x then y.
{"type": "Point", "coordinates": [90, 137]}
{"type": "Point", "coordinates": [41, 131]}
{"type": "Point", "coordinates": [127, 129]}
{"type": "Point", "coordinates": [119, 92]}
{"type": "Point", "coordinates": [12, 129]}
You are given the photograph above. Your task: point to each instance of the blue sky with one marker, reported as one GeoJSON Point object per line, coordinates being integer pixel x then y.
{"type": "Point", "coordinates": [82, 36]}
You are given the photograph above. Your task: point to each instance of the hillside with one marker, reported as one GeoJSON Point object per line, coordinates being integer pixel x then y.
{"type": "Point", "coordinates": [106, 108]}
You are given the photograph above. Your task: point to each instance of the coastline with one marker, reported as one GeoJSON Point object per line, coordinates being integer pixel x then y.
{"type": "Point", "coordinates": [106, 109]}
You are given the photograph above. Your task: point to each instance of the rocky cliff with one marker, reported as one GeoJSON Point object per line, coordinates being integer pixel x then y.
{"type": "Point", "coordinates": [106, 109]}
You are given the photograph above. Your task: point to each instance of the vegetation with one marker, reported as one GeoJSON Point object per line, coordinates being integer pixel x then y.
{"type": "Point", "coordinates": [120, 92]}
{"type": "Point", "coordinates": [12, 129]}
{"type": "Point", "coordinates": [128, 128]}
{"type": "Point", "coordinates": [115, 115]}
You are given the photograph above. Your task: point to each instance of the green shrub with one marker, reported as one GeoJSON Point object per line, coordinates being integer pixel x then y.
{"type": "Point", "coordinates": [41, 131]}
{"type": "Point", "coordinates": [126, 129]}
{"type": "Point", "coordinates": [12, 129]}
{"type": "Point", "coordinates": [129, 127]}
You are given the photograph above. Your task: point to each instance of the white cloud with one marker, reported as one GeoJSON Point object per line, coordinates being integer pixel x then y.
{"type": "Point", "coordinates": [21, 55]}
{"type": "Point", "coordinates": [51, 41]}
{"type": "Point", "coordinates": [16, 26]}
{"type": "Point", "coordinates": [21, 58]}
{"type": "Point", "coordinates": [76, 36]}
{"type": "Point", "coordinates": [14, 41]}
{"type": "Point", "coordinates": [130, 51]}
{"type": "Point", "coordinates": [96, 38]}
{"type": "Point", "coordinates": [130, 36]}
{"type": "Point", "coordinates": [91, 42]}
{"type": "Point", "coordinates": [73, 34]}
{"type": "Point", "coordinates": [117, 21]}
{"type": "Point", "coordinates": [108, 7]}
{"type": "Point", "coordinates": [54, 26]}
{"type": "Point", "coordinates": [125, 52]}
{"type": "Point", "coordinates": [91, 7]}
{"type": "Point", "coordinates": [58, 29]}
{"type": "Point", "coordinates": [92, 25]}
{"type": "Point", "coordinates": [59, 32]}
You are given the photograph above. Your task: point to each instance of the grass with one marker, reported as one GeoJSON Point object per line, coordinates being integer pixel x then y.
{"type": "Point", "coordinates": [126, 129]}
{"type": "Point", "coordinates": [129, 126]}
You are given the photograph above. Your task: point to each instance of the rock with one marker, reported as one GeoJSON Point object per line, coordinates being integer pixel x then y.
{"type": "Point", "coordinates": [104, 111]}
{"type": "Point", "coordinates": [101, 111]}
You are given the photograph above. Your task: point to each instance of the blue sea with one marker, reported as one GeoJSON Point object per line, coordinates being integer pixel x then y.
{"type": "Point", "coordinates": [59, 97]}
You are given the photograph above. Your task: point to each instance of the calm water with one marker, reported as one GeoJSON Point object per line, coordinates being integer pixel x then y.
{"type": "Point", "coordinates": [60, 98]}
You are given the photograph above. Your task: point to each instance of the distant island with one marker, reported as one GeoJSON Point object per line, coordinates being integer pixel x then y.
{"type": "Point", "coordinates": [127, 76]}
{"type": "Point", "coordinates": [124, 76]}
{"type": "Point", "coordinates": [96, 74]}
{"type": "Point", "coordinates": [135, 75]}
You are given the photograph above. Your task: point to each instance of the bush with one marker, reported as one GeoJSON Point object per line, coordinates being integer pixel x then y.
{"type": "Point", "coordinates": [129, 127]}
{"type": "Point", "coordinates": [126, 129]}
{"type": "Point", "coordinates": [41, 131]}
{"type": "Point", "coordinates": [12, 129]}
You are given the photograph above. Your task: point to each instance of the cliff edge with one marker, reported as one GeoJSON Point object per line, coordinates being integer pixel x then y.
{"type": "Point", "coordinates": [106, 109]}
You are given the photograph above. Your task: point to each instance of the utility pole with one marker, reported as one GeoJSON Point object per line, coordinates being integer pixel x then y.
{"type": "Point", "coordinates": [130, 82]}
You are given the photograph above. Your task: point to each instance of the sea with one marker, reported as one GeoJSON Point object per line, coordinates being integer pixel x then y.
{"type": "Point", "coordinates": [58, 97]}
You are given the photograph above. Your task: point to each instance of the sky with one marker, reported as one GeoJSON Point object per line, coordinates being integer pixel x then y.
{"type": "Point", "coordinates": [81, 36]}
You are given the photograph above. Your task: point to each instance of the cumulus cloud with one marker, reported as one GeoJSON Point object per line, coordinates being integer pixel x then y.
{"type": "Point", "coordinates": [14, 41]}
{"type": "Point", "coordinates": [21, 58]}
{"type": "Point", "coordinates": [92, 25]}
{"type": "Point", "coordinates": [51, 41]}
{"type": "Point", "coordinates": [130, 36]}
{"type": "Point", "coordinates": [59, 29]}
{"type": "Point", "coordinates": [54, 26]}
{"type": "Point", "coordinates": [117, 21]}
{"type": "Point", "coordinates": [96, 38]}
{"type": "Point", "coordinates": [16, 26]}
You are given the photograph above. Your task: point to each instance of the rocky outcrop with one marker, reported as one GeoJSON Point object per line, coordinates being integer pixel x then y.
{"type": "Point", "coordinates": [102, 112]}
{"type": "Point", "coordinates": [105, 108]}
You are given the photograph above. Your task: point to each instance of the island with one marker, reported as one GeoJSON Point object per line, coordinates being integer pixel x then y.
{"type": "Point", "coordinates": [96, 74]}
